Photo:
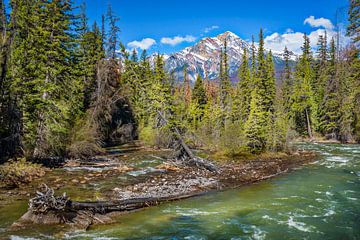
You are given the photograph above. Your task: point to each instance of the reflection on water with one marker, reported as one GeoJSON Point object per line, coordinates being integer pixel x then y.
{"type": "Point", "coordinates": [319, 201]}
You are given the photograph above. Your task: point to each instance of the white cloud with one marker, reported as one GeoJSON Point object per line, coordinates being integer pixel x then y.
{"type": "Point", "coordinates": [209, 29]}
{"type": "Point", "coordinates": [319, 22]}
{"type": "Point", "coordinates": [294, 40]}
{"type": "Point", "coordinates": [144, 44]}
{"type": "Point", "coordinates": [177, 40]}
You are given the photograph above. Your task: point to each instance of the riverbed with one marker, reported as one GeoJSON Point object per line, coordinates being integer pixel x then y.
{"type": "Point", "coordinates": [318, 201]}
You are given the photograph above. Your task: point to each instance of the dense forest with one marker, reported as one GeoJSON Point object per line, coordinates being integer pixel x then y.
{"type": "Point", "coordinates": [67, 91]}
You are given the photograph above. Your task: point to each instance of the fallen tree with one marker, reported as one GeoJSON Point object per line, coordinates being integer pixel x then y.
{"type": "Point", "coordinates": [46, 201]}
{"type": "Point", "coordinates": [47, 209]}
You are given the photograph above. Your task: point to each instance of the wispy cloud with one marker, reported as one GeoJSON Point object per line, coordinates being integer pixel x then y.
{"type": "Point", "coordinates": [144, 44]}
{"type": "Point", "coordinates": [319, 22]}
{"type": "Point", "coordinates": [177, 40]}
{"type": "Point", "coordinates": [209, 29]}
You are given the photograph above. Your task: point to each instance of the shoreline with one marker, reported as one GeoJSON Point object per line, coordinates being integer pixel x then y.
{"type": "Point", "coordinates": [174, 183]}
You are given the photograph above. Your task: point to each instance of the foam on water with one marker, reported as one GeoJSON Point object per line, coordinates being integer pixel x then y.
{"type": "Point", "coordinates": [144, 171]}
{"type": "Point", "coordinates": [299, 225]}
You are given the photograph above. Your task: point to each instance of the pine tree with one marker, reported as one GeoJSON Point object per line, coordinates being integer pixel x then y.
{"type": "Point", "coordinates": [287, 81]}
{"type": "Point", "coordinates": [225, 84]}
{"type": "Point", "coordinates": [255, 126]}
{"type": "Point", "coordinates": [303, 102]}
{"type": "Point", "coordinates": [330, 104]}
{"type": "Point", "coordinates": [113, 33]}
{"type": "Point", "coordinates": [253, 58]}
{"type": "Point", "coordinates": [269, 83]}
{"type": "Point", "coordinates": [42, 78]}
{"type": "Point", "coordinates": [242, 98]}
{"type": "Point", "coordinates": [199, 95]}
{"type": "Point", "coordinates": [353, 29]}
{"type": "Point", "coordinates": [187, 88]}
{"type": "Point", "coordinates": [262, 102]}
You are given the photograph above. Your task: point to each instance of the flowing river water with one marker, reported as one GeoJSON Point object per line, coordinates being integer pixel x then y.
{"type": "Point", "coordinates": [318, 201]}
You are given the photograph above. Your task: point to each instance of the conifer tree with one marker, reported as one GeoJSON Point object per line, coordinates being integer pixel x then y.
{"type": "Point", "coordinates": [287, 81]}
{"type": "Point", "coordinates": [114, 30]}
{"type": "Point", "coordinates": [225, 84]}
{"type": "Point", "coordinates": [262, 102]}
{"type": "Point", "coordinates": [353, 29]}
{"type": "Point", "coordinates": [269, 83]}
{"type": "Point", "coordinates": [330, 104]}
{"type": "Point", "coordinates": [199, 94]}
{"type": "Point", "coordinates": [242, 98]}
{"type": "Point", "coordinates": [253, 58]}
{"type": "Point", "coordinates": [187, 88]}
{"type": "Point", "coordinates": [303, 102]}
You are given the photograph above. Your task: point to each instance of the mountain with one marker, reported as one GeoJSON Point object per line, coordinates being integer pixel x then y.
{"type": "Point", "coordinates": [204, 57]}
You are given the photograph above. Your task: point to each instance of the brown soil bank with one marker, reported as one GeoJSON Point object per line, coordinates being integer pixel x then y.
{"type": "Point", "coordinates": [173, 183]}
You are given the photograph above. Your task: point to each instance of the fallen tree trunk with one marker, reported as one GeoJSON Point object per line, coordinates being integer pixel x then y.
{"type": "Point", "coordinates": [123, 205]}
{"type": "Point", "coordinates": [45, 201]}
{"type": "Point", "coordinates": [47, 209]}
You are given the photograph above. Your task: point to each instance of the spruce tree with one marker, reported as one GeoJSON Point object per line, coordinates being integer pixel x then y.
{"type": "Point", "coordinates": [353, 29]}
{"type": "Point", "coordinates": [287, 81]}
{"type": "Point", "coordinates": [114, 30]}
{"type": "Point", "coordinates": [303, 102]}
{"type": "Point", "coordinates": [260, 118]}
{"type": "Point", "coordinates": [330, 104]}
{"type": "Point", "coordinates": [242, 98]}
{"type": "Point", "coordinates": [199, 95]}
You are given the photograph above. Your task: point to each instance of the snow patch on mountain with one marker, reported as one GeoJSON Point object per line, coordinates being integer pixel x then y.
{"type": "Point", "coordinates": [204, 57]}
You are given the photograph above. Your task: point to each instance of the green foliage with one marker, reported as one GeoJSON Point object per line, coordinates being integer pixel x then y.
{"type": "Point", "coordinates": [354, 21]}
{"type": "Point", "coordinates": [242, 98]}
{"type": "Point", "coordinates": [303, 102]}
{"type": "Point", "coordinates": [198, 94]}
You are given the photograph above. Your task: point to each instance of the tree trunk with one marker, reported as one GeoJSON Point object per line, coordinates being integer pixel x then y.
{"type": "Point", "coordinates": [308, 124]}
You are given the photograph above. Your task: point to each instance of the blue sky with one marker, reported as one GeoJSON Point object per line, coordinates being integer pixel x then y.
{"type": "Point", "coordinates": [155, 24]}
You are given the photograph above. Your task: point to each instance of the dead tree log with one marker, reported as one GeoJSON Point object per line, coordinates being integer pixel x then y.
{"type": "Point", "coordinates": [45, 201]}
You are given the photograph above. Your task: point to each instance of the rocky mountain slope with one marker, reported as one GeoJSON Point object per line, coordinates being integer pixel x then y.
{"type": "Point", "coordinates": [204, 57]}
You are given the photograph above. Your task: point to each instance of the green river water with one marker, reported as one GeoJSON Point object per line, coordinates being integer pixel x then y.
{"type": "Point", "coordinates": [318, 201]}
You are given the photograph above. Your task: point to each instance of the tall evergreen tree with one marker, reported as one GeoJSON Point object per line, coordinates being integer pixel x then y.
{"type": "Point", "coordinates": [199, 94]}
{"type": "Point", "coordinates": [242, 98]}
{"type": "Point", "coordinates": [330, 104]}
{"type": "Point", "coordinates": [353, 28]}
{"type": "Point", "coordinates": [304, 108]}
{"type": "Point", "coordinates": [262, 101]}
{"type": "Point", "coordinates": [114, 30]}
{"type": "Point", "coordinates": [287, 81]}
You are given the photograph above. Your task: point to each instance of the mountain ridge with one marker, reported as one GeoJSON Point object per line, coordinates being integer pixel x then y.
{"type": "Point", "coordinates": [204, 57]}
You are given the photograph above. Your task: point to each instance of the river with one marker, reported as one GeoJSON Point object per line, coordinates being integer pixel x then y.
{"type": "Point", "coordinates": [318, 201]}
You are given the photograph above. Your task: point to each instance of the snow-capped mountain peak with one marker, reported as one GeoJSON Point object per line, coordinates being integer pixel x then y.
{"type": "Point", "coordinates": [204, 57]}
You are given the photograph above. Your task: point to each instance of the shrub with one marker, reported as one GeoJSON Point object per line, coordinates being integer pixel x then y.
{"type": "Point", "coordinates": [17, 172]}
{"type": "Point", "coordinates": [85, 141]}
